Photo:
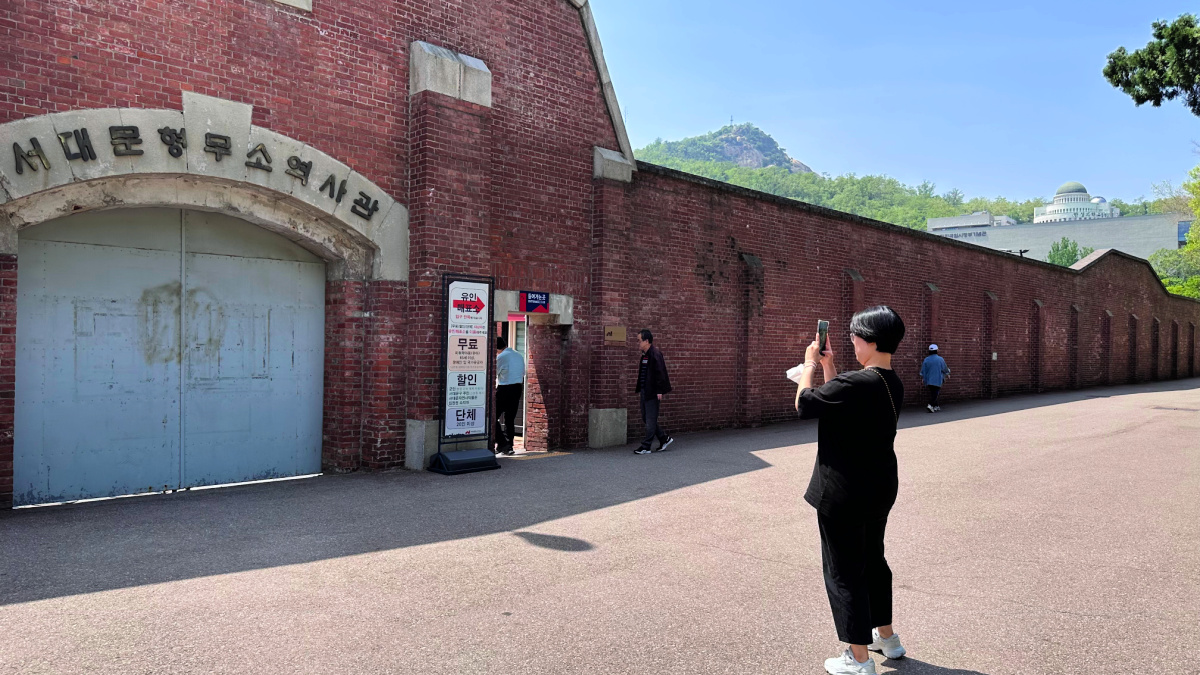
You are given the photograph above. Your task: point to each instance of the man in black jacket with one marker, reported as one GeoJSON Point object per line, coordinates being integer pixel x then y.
{"type": "Point", "coordinates": [652, 383]}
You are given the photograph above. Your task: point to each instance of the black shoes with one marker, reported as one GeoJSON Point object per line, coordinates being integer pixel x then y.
{"type": "Point", "coordinates": [662, 446]}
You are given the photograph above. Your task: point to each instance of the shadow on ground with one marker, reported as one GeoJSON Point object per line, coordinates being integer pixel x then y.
{"type": "Point", "coordinates": [84, 548]}
{"type": "Point", "coordinates": [917, 416]}
{"type": "Point", "coordinates": [911, 666]}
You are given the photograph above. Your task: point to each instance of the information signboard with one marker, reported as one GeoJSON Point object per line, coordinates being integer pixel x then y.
{"type": "Point", "coordinates": [468, 310]}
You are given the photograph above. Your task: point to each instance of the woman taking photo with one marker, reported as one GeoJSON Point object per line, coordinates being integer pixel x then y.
{"type": "Point", "coordinates": [854, 484]}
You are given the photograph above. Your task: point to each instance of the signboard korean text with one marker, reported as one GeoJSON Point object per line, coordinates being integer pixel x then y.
{"type": "Point", "coordinates": [467, 315]}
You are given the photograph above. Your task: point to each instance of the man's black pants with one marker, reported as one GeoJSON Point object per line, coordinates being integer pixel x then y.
{"type": "Point", "coordinates": [650, 416]}
{"type": "Point", "coordinates": [508, 399]}
{"type": "Point", "coordinates": [857, 577]}
{"type": "Point", "coordinates": [934, 393]}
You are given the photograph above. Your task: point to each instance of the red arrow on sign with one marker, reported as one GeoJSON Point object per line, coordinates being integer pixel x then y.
{"type": "Point", "coordinates": [475, 305]}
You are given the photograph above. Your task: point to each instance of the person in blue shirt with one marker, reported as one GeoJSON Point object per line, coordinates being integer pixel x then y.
{"type": "Point", "coordinates": [510, 386]}
{"type": "Point", "coordinates": [934, 372]}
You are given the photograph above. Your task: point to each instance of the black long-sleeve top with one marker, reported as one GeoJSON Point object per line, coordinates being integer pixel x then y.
{"type": "Point", "coordinates": [855, 471]}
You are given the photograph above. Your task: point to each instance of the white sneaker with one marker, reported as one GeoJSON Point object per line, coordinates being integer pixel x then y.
{"type": "Point", "coordinates": [890, 647]}
{"type": "Point", "coordinates": [846, 665]}
{"type": "Point", "coordinates": [929, 406]}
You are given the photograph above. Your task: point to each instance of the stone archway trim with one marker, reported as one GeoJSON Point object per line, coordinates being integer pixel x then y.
{"type": "Point", "coordinates": [349, 254]}
{"type": "Point", "coordinates": [215, 159]}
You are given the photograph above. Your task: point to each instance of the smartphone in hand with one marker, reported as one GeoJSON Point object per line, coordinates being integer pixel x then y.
{"type": "Point", "coordinates": [823, 334]}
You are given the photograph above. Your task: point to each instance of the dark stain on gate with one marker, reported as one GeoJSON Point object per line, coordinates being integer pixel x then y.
{"type": "Point", "coordinates": [158, 323]}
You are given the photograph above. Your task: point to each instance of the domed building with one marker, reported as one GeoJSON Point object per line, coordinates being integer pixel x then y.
{"type": "Point", "coordinates": [1072, 202]}
{"type": "Point", "coordinates": [1090, 222]}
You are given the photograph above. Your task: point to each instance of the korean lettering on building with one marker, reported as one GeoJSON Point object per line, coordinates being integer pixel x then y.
{"type": "Point", "coordinates": [128, 141]}
{"type": "Point", "coordinates": [966, 235]}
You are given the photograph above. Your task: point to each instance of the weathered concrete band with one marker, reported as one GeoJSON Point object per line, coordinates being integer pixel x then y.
{"type": "Point", "coordinates": [434, 68]}
{"type": "Point", "coordinates": [612, 165]}
{"type": "Point", "coordinates": [562, 309]}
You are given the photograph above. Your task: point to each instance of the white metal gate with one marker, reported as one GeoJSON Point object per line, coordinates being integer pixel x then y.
{"type": "Point", "coordinates": [159, 349]}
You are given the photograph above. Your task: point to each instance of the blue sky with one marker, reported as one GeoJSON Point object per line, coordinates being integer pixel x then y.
{"type": "Point", "coordinates": [996, 99]}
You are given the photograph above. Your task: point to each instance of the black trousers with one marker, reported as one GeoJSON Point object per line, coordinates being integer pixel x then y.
{"type": "Point", "coordinates": [934, 392]}
{"type": "Point", "coordinates": [508, 399]}
{"type": "Point", "coordinates": [857, 577]}
{"type": "Point", "coordinates": [650, 416]}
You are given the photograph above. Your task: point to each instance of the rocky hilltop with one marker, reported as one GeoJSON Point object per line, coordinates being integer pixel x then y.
{"type": "Point", "coordinates": [742, 144]}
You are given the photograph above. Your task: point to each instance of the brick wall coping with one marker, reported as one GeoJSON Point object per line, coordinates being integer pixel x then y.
{"type": "Point", "coordinates": [1078, 268]}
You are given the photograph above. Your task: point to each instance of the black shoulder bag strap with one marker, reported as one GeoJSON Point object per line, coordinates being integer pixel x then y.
{"type": "Point", "coordinates": [891, 400]}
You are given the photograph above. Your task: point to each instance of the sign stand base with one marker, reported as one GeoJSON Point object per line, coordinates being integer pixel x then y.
{"type": "Point", "coordinates": [463, 461]}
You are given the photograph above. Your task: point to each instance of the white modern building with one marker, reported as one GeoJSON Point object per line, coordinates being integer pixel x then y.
{"type": "Point", "coordinates": [1072, 202]}
{"type": "Point", "coordinates": [1089, 221]}
{"type": "Point", "coordinates": [977, 219]}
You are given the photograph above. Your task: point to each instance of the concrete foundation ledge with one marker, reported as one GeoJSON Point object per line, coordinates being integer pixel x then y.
{"type": "Point", "coordinates": [420, 443]}
{"type": "Point", "coordinates": [607, 427]}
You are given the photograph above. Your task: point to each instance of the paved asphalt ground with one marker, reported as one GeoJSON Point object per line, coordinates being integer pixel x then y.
{"type": "Point", "coordinates": [1034, 535]}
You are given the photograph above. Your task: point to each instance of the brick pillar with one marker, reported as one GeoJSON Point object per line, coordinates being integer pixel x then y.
{"type": "Point", "coordinates": [449, 219]}
{"type": "Point", "coordinates": [576, 368]}
{"type": "Point", "coordinates": [750, 352]}
{"type": "Point", "coordinates": [932, 314]}
{"type": "Point", "coordinates": [1036, 323]}
{"type": "Point", "coordinates": [1191, 349]}
{"type": "Point", "coordinates": [1155, 348]}
{"type": "Point", "coordinates": [988, 377]}
{"type": "Point", "coordinates": [1174, 350]}
{"type": "Point", "coordinates": [384, 375]}
{"type": "Point", "coordinates": [545, 423]}
{"type": "Point", "coordinates": [611, 383]}
{"type": "Point", "coordinates": [8, 363]}
{"type": "Point", "coordinates": [345, 328]}
{"type": "Point", "coordinates": [853, 293]}
{"type": "Point", "coordinates": [1106, 347]}
{"type": "Point", "coordinates": [1073, 376]}
{"type": "Point", "coordinates": [1131, 342]}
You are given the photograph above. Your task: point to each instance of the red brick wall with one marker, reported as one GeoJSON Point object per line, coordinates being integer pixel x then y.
{"type": "Point", "coordinates": [336, 78]}
{"type": "Point", "coordinates": [384, 375]}
{"type": "Point", "coordinates": [729, 326]}
{"type": "Point", "coordinates": [345, 339]}
{"type": "Point", "coordinates": [502, 191]}
{"type": "Point", "coordinates": [732, 283]}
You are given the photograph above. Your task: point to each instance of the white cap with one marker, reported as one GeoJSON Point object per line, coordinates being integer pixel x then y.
{"type": "Point", "coordinates": [933, 348]}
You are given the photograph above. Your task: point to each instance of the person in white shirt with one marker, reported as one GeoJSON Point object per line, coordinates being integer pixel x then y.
{"type": "Point", "coordinates": [510, 385]}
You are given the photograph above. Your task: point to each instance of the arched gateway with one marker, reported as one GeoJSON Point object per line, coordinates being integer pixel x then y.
{"type": "Point", "coordinates": [171, 295]}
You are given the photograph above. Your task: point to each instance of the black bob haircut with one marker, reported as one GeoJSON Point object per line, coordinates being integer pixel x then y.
{"type": "Point", "coordinates": [881, 325]}
{"type": "Point", "coordinates": [501, 343]}
{"type": "Point", "coordinates": [646, 335]}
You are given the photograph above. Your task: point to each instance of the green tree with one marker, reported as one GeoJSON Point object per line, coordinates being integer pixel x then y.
{"type": "Point", "coordinates": [1179, 268]}
{"type": "Point", "coordinates": [1138, 207]}
{"type": "Point", "coordinates": [1168, 67]}
{"type": "Point", "coordinates": [725, 155]}
{"type": "Point", "coordinates": [1067, 252]}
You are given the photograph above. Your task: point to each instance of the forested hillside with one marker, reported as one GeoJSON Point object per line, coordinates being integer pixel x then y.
{"type": "Point", "coordinates": [747, 156]}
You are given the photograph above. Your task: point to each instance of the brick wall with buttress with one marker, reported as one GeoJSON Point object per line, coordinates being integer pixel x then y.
{"type": "Point", "coordinates": [733, 282]}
